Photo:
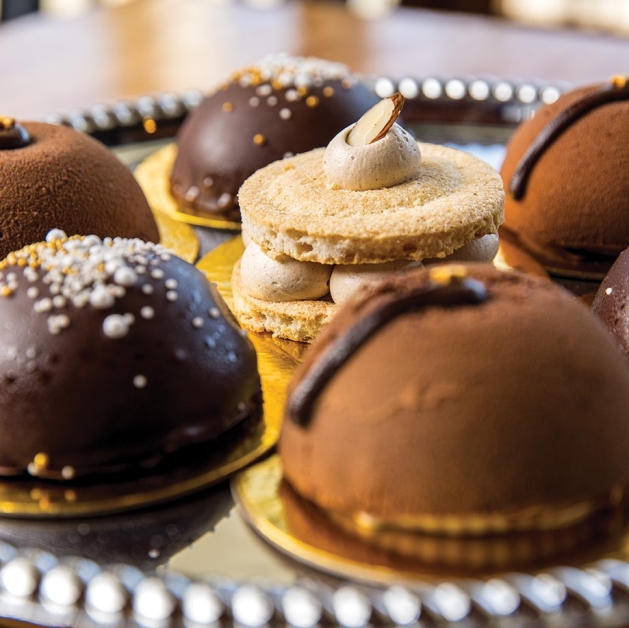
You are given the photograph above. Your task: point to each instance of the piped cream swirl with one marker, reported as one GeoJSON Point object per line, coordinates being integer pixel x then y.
{"type": "Point", "coordinates": [386, 162]}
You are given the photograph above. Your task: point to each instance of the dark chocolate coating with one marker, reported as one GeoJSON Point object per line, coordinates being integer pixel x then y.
{"type": "Point", "coordinates": [217, 142]}
{"type": "Point", "coordinates": [574, 210]}
{"type": "Point", "coordinates": [67, 180]}
{"type": "Point", "coordinates": [72, 395]}
{"type": "Point", "coordinates": [611, 303]}
{"type": "Point", "coordinates": [519, 401]}
{"type": "Point", "coordinates": [13, 136]}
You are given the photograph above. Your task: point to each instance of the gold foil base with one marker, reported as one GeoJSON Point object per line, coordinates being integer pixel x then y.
{"type": "Point", "coordinates": [178, 237]}
{"type": "Point", "coordinates": [303, 532]}
{"type": "Point", "coordinates": [153, 175]}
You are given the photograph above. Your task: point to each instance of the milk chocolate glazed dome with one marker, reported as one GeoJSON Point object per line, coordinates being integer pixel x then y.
{"type": "Point", "coordinates": [567, 200]}
{"type": "Point", "coordinates": [279, 105]}
{"type": "Point", "coordinates": [482, 402]}
{"type": "Point", "coordinates": [55, 177]}
{"type": "Point", "coordinates": [113, 354]}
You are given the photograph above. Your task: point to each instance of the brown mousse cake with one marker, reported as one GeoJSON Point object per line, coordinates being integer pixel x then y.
{"type": "Point", "coordinates": [281, 105]}
{"type": "Point", "coordinates": [612, 300]}
{"type": "Point", "coordinates": [459, 401]}
{"type": "Point", "coordinates": [113, 355]}
{"type": "Point", "coordinates": [567, 188]}
{"type": "Point", "coordinates": [55, 177]}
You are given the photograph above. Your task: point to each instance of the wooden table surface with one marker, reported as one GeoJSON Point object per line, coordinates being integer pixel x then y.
{"type": "Point", "coordinates": [153, 46]}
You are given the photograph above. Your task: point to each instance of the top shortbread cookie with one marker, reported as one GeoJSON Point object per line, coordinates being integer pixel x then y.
{"type": "Point", "coordinates": [289, 208]}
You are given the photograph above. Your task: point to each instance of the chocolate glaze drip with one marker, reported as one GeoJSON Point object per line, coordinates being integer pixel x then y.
{"type": "Point", "coordinates": [457, 292]}
{"type": "Point", "coordinates": [13, 135]}
{"type": "Point", "coordinates": [611, 92]}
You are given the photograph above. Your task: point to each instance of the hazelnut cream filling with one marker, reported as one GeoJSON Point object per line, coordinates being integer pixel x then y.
{"type": "Point", "coordinates": [285, 279]}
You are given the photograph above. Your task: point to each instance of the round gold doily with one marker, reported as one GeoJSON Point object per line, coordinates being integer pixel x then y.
{"type": "Point", "coordinates": [153, 175]}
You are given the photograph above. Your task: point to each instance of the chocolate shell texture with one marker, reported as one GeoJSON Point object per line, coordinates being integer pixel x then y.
{"type": "Point", "coordinates": [64, 179]}
{"type": "Point", "coordinates": [575, 191]}
{"type": "Point", "coordinates": [611, 303]}
{"type": "Point", "coordinates": [281, 105]}
{"type": "Point", "coordinates": [113, 353]}
{"type": "Point", "coordinates": [512, 401]}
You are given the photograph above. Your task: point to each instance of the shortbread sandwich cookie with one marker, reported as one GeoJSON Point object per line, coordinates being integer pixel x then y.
{"type": "Point", "coordinates": [474, 403]}
{"type": "Point", "coordinates": [374, 202]}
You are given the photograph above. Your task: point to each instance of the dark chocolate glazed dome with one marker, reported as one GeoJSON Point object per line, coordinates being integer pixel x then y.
{"type": "Point", "coordinates": [611, 303]}
{"type": "Point", "coordinates": [567, 187]}
{"type": "Point", "coordinates": [280, 105]}
{"type": "Point", "coordinates": [113, 353]}
{"type": "Point", "coordinates": [55, 177]}
{"type": "Point", "coordinates": [460, 400]}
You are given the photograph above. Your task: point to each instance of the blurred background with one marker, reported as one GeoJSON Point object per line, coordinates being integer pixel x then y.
{"type": "Point", "coordinates": [597, 15]}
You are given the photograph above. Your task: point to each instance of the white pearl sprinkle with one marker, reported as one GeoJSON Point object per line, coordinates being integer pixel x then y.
{"type": "Point", "coordinates": [101, 298]}
{"type": "Point", "coordinates": [608, 290]}
{"type": "Point", "coordinates": [139, 381]}
{"type": "Point", "coordinates": [68, 472]}
{"type": "Point", "coordinates": [43, 305]}
{"type": "Point", "coordinates": [254, 101]}
{"type": "Point", "coordinates": [19, 577]}
{"type": "Point", "coordinates": [147, 312]}
{"type": "Point", "coordinates": [264, 90]}
{"type": "Point", "coordinates": [171, 284]}
{"type": "Point", "coordinates": [224, 200]}
{"type": "Point", "coordinates": [402, 606]}
{"type": "Point", "coordinates": [200, 604]}
{"type": "Point", "coordinates": [214, 312]}
{"type": "Point", "coordinates": [124, 276]}
{"type": "Point", "coordinates": [153, 600]}
{"type": "Point", "coordinates": [106, 593]}
{"type": "Point", "coordinates": [59, 301]}
{"type": "Point", "coordinates": [292, 95]}
{"type": "Point", "coordinates": [271, 101]}
{"type": "Point", "coordinates": [197, 322]}
{"type": "Point", "coordinates": [61, 586]}
{"type": "Point", "coordinates": [115, 326]}
{"type": "Point", "coordinates": [147, 288]}
{"type": "Point", "coordinates": [171, 295]}
{"type": "Point", "coordinates": [157, 273]}
{"type": "Point", "coordinates": [55, 234]}
{"type": "Point", "coordinates": [32, 292]}
{"type": "Point", "coordinates": [285, 114]}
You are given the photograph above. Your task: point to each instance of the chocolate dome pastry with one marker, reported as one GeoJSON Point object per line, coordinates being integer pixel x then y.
{"type": "Point", "coordinates": [611, 302]}
{"type": "Point", "coordinates": [114, 354]}
{"type": "Point", "coordinates": [473, 402]}
{"type": "Point", "coordinates": [567, 200]}
{"type": "Point", "coordinates": [373, 203]}
{"type": "Point", "coordinates": [55, 177]}
{"type": "Point", "coordinates": [280, 105]}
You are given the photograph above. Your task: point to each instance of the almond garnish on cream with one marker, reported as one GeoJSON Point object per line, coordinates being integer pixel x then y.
{"type": "Point", "coordinates": [373, 153]}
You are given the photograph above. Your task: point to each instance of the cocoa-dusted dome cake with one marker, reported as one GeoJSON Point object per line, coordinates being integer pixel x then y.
{"type": "Point", "coordinates": [611, 303]}
{"type": "Point", "coordinates": [462, 401]}
{"type": "Point", "coordinates": [567, 201]}
{"type": "Point", "coordinates": [113, 354]}
{"type": "Point", "coordinates": [52, 176]}
{"type": "Point", "coordinates": [280, 105]}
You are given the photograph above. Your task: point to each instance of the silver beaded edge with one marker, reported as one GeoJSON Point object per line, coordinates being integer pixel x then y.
{"type": "Point", "coordinates": [35, 586]}
{"type": "Point", "coordinates": [513, 101]}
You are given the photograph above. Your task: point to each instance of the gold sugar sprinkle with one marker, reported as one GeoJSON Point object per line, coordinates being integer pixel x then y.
{"type": "Point", "coordinates": [259, 139]}
{"type": "Point", "coordinates": [328, 91]}
{"type": "Point", "coordinates": [312, 101]}
{"type": "Point", "coordinates": [227, 107]}
{"type": "Point", "coordinates": [41, 460]}
{"type": "Point", "coordinates": [5, 291]}
{"type": "Point", "coordinates": [619, 81]}
{"type": "Point", "coordinates": [7, 122]}
{"type": "Point", "coordinates": [302, 90]}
